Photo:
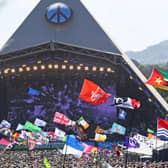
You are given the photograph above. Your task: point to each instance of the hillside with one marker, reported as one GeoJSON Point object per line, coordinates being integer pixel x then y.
{"type": "Point", "coordinates": [155, 54]}
{"type": "Point", "coordinates": [147, 69]}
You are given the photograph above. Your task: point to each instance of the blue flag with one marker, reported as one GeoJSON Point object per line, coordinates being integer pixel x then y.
{"type": "Point", "coordinates": [122, 114]}
{"type": "Point", "coordinates": [117, 128]}
{"type": "Point", "coordinates": [34, 92]}
{"type": "Point", "coordinates": [131, 142]}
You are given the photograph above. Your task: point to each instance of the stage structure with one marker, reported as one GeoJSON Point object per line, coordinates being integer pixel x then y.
{"type": "Point", "coordinates": [57, 46]}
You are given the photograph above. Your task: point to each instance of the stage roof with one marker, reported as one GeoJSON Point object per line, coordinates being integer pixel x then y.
{"type": "Point", "coordinates": [81, 30]}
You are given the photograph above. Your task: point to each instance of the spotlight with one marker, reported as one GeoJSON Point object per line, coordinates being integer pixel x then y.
{"type": "Point", "coordinates": [86, 68]}
{"type": "Point", "coordinates": [56, 66]}
{"type": "Point", "coordinates": [71, 67]}
{"type": "Point", "coordinates": [140, 88]}
{"type": "Point", "coordinates": [131, 77]}
{"type": "Point", "coordinates": [27, 68]}
{"type": "Point", "coordinates": [109, 69]}
{"type": "Point", "coordinates": [20, 69]}
{"type": "Point", "coordinates": [23, 65]}
{"type": "Point", "coordinates": [13, 70]}
{"type": "Point", "coordinates": [81, 64]}
{"type": "Point", "coordinates": [35, 68]}
{"type": "Point", "coordinates": [39, 62]}
{"type": "Point", "coordinates": [101, 69]}
{"type": "Point", "coordinates": [66, 61]}
{"type": "Point", "coordinates": [42, 67]}
{"type": "Point", "coordinates": [149, 99]}
{"type": "Point", "coordinates": [6, 70]}
{"type": "Point", "coordinates": [63, 66]}
{"type": "Point", "coordinates": [50, 66]}
{"type": "Point", "coordinates": [94, 68]}
{"type": "Point", "coordinates": [78, 67]}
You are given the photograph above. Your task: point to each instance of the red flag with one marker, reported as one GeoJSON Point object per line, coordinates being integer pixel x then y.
{"type": "Point", "coordinates": [61, 119]}
{"type": "Point", "coordinates": [157, 79]}
{"type": "Point", "coordinates": [162, 123]}
{"type": "Point", "coordinates": [92, 93]}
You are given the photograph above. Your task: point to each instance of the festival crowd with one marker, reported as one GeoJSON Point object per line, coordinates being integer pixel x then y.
{"type": "Point", "coordinates": [105, 159]}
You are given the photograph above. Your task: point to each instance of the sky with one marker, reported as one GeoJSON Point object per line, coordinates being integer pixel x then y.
{"type": "Point", "coordinates": [132, 24]}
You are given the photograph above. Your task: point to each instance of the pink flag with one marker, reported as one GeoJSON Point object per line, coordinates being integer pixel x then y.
{"type": "Point", "coordinates": [90, 148]}
{"type": "Point", "coordinates": [4, 142]}
{"type": "Point", "coordinates": [61, 119]}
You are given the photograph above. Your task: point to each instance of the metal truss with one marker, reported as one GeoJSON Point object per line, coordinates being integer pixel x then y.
{"type": "Point", "coordinates": [53, 47]}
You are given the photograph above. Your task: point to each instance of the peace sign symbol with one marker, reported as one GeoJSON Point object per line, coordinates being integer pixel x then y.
{"type": "Point", "coordinates": [58, 13]}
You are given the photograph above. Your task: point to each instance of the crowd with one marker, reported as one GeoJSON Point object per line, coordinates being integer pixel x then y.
{"type": "Point", "coordinates": [104, 159]}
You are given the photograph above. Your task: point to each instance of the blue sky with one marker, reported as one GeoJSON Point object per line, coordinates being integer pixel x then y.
{"type": "Point", "coordinates": [132, 24]}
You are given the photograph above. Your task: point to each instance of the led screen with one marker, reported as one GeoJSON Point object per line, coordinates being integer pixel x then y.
{"type": "Point", "coordinates": [59, 92]}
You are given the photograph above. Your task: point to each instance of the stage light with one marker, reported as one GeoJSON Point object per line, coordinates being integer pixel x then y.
{"type": "Point", "coordinates": [71, 67]}
{"type": "Point", "coordinates": [42, 67]}
{"type": "Point", "coordinates": [78, 67]}
{"type": "Point", "coordinates": [109, 69]}
{"type": "Point", "coordinates": [13, 70]}
{"type": "Point", "coordinates": [35, 68]}
{"type": "Point", "coordinates": [140, 88]}
{"type": "Point", "coordinates": [66, 61]}
{"type": "Point", "coordinates": [6, 70]}
{"type": "Point", "coordinates": [94, 68]}
{"type": "Point", "coordinates": [149, 99]}
{"type": "Point", "coordinates": [27, 68]}
{"type": "Point", "coordinates": [20, 69]}
{"type": "Point", "coordinates": [81, 64]}
{"type": "Point", "coordinates": [63, 66]}
{"type": "Point", "coordinates": [131, 77]}
{"type": "Point", "coordinates": [50, 66]}
{"type": "Point", "coordinates": [101, 69]}
{"type": "Point", "coordinates": [24, 65]}
{"type": "Point", "coordinates": [56, 66]}
{"type": "Point", "coordinates": [86, 68]}
{"type": "Point", "coordinates": [39, 62]}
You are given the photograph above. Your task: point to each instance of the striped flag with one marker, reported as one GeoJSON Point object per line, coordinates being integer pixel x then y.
{"type": "Point", "coordinates": [162, 129]}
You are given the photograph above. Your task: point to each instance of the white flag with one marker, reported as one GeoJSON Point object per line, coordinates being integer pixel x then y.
{"type": "Point", "coordinates": [59, 132]}
{"type": "Point", "coordinates": [40, 123]}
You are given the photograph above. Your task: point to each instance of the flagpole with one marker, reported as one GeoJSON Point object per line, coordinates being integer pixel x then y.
{"type": "Point", "coordinates": [65, 152]}
{"type": "Point", "coordinates": [156, 141]}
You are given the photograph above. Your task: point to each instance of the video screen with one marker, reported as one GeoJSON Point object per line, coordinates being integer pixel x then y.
{"type": "Point", "coordinates": [59, 92]}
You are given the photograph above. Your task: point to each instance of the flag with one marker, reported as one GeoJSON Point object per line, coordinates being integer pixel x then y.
{"type": "Point", "coordinates": [131, 142]}
{"type": "Point", "coordinates": [117, 128]}
{"type": "Point", "coordinates": [19, 127]}
{"type": "Point", "coordinates": [6, 131]}
{"type": "Point", "coordinates": [34, 92]}
{"type": "Point", "coordinates": [4, 142]}
{"type": "Point", "coordinates": [100, 130]}
{"type": "Point", "coordinates": [150, 131]}
{"type": "Point", "coordinates": [61, 119]}
{"type": "Point", "coordinates": [126, 102]}
{"type": "Point", "coordinates": [5, 123]}
{"type": "Point", "coordinates": [90, 148]}
{"type": "Point", "coordinates": [73, 146]}
{"type": "Point", "coordinates": [46, 162]}
{"type": "Point", "coordinates": [92, 93]}
{"type": "Point", "coordinates": [31, 127]}
{"type": "Point", "coordinates": [162, 129]}
{"type": "Point", "coordinates": [158, 79]}
{"type": "Point", "coordinates": [59, 132]}
{"type": "Point", "coordinates": [83, 122]}
{"type": "Point", "coordinates": [122, 114]}
{"type": "Point", "coordinates": [40, 123]}
{"type": "Point", "coordinates": [100, 137]}
{"type": "Point", "coordinates": [31, 143]}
